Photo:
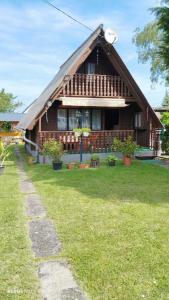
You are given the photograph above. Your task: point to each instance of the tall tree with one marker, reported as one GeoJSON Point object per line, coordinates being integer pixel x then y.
{"type": "Point", "coordinates": [7, 102]}
{"type": "Point", "coordinates": [152, 43]}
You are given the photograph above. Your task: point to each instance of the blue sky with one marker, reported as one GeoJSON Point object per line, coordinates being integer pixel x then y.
{"type": "Point", "coordinates": [36, 40]}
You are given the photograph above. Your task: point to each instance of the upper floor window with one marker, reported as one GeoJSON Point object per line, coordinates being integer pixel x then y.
{"type": "Point", "coordinates": [91, 68]}
{"type": "Point", "coordinates": [138, 120]}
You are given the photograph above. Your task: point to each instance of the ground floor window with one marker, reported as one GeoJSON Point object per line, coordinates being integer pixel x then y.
{"type": "Point", "coordinates": [62, 119]}
{"type": "Point", "coordinates": [68, 119]}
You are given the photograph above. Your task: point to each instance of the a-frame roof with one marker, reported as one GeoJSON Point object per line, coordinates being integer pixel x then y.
{"type": "Point", "coordinates": [29, 119]}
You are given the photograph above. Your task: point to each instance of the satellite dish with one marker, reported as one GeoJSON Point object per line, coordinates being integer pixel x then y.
{"type": "Point", "coordinates": [110, 36]}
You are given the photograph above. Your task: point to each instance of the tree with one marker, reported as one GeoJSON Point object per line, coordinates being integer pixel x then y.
{"type": "Point", "coordinates": [7, 102]}
{"type": "Point", "coordinates": [153, 43]}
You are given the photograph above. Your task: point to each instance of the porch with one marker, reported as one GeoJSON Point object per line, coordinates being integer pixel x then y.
{"type": "Point", "coordinates": [97, 142]}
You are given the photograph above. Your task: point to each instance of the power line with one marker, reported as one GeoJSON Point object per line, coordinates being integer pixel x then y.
{"type": "Point", "coordinates": [69, 16]}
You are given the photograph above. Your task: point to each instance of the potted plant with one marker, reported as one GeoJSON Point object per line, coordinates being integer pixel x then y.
{"type": "Point", "coordinates": [4, 153]}
{"type": "Point", "coordinates": [54, 149]}
{"type": "Point", "coordinates": [111, 160]}
{"type": "Point", "coordinates": [127, 148]}
{"type": "Point", "coordinates": [86, 132]}
{"type": "Point", "coordinates": [95, 161]}
{"type": "Point", "coordinates": [77, 132]}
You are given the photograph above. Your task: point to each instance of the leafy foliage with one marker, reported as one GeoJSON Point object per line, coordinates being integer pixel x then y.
{"type": "Point", "coordinates": [5, 126]}
{"type": "Point", "coordinates": [7, 102]}
{"type": "Point", "coordinates": [126, 147]}
{"type": "Point", "coordinates": [165, 140]}
{"type": "Point", "coordinates": [4, 153]}
{"type": "Point", "coordinates": [111, 158]}
{"type": "Point", "coordinates": [53, 149]}
{"type": "Point", "coordinates": [165, 118]}
{"type": "Point", "coordinates": [153, 43]}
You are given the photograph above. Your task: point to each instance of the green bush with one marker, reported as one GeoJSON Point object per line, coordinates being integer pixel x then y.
{"type": "Point", "coordinates": [126, 147]}
{"type": "Point", "coordinates": [165, 140]}
{"type": "Point", "coordinates": [53, 149]}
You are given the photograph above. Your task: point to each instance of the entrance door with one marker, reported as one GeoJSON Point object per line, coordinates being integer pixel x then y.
{"type": "Point", "coordinates": [111, 118]}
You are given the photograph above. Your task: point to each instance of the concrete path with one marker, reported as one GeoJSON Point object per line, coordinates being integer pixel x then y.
{"type": "Point", "coordinates": [56, 279]}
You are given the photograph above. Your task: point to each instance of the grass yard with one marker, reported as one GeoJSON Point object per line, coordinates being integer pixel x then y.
{"type": "Point", "coordinates": [114, 227]}
{"type": "Point", "coordinates": [17, 267]}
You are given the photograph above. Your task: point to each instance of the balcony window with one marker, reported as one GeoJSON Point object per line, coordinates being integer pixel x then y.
{"type": "Point", "coordinates": [62, 119]}
{"type": "Point", "coordinates": [96, 119]}
{"type": "Point", "coordinates": [91, 68]}
{"type": "Point", "coordinates": [138, 120]}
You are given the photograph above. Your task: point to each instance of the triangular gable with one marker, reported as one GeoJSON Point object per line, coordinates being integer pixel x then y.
{"type": "Point", "coordinates": [71, 66]}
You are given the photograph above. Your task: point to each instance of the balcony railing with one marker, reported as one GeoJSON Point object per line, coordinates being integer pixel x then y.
{"type": "Point", "coordinates": [95, 86]}
{"type": "Point", "coordinates": [98, 141]}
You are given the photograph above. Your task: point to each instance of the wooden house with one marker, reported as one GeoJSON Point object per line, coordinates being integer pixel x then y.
{"type": "Point", "coordinates": [95, 83]}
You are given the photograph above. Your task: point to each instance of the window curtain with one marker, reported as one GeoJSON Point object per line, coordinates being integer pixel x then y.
{"type": "Point", "coordinates": [73, 120]}
{"type": "Point", "coordinates": [62, 119]}
{"type": "Point", "coordinates": [96, 119]}
{"type": "Point", "coordinates": [86, 118]}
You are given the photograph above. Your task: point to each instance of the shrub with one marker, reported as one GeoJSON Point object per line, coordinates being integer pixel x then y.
{"type": "Point", "coordinates": [95, 157]}
{"type": "Point", "coordinates": [53, 149]}
{"type": "Point", "coordinates": [126, 147]}
{"type": "Point", "coordinates": [165, 140]}
{"type": "Point", "coordinates": [111, 158]}
{"type": "Point", "coordinates": [4, 153]}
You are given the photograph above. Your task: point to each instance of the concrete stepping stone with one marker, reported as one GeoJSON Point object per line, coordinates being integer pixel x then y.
{"type": "Point", "coordinates": [57, 282]}
{"type": "Point", "coordinates": [34, 206]}
{"type": "Point", "coordinates": [44, 239]}
{"type": "Point", "coordinates": [27, 186]}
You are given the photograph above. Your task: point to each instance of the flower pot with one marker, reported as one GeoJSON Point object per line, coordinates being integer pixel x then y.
{"type": "Point", "coordinates": [70, 166]}
{"type": "Point", "coordinates": [95, 163]}
{"type": "Point", "coordinates": [84, 166]}
{"type": "Point", "coordinates": [57, 166]}
{"type": "Point", "coordinates": [127, 161]}
{"type": "Point", "coordinates": [86, 134]}
{"type": "Point", "coordinates": [1, 169]}
{"type": "Point", "coordinates": [112, 163]}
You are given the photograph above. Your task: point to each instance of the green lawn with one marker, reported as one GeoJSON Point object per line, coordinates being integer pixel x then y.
{"type": "Point", "coordinates": [114, 227]}
{"type": "Point", "coordinates": [17, 267]}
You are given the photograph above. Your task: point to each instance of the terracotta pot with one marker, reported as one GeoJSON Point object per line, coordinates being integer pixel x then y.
{"type": "Point", "coordinates": [70, 166]}
{"type": "Point", "coordinates": [127, 161]}
{"type": "Point", "coordinates": [84, 166]}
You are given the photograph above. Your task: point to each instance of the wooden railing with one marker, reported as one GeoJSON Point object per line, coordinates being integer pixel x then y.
{"type": "Point", "coordinates": [98, 141]}
{"type": "Point", "coordinates": [95, 86]}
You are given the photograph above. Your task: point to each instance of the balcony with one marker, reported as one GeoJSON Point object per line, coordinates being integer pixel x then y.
{"type": "Point", "coordinates": [83, 85]}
